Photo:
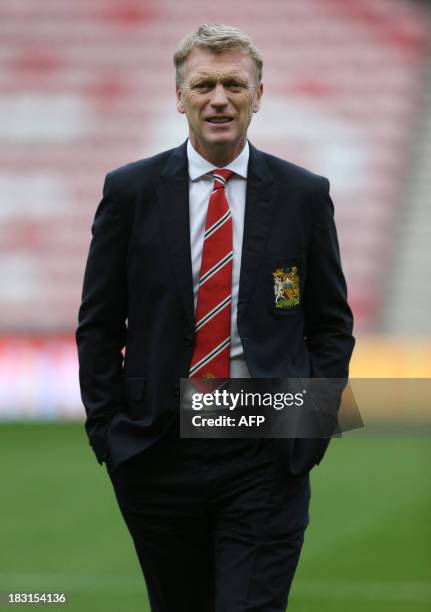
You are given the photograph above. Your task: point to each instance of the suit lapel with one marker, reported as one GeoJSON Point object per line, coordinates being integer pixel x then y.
{"type": "Point", "coordinates": [173, 199]}
{"type": "Point", "coordinates": [259, 207]}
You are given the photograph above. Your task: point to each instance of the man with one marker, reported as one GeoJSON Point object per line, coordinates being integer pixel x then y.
{"type": "Point", "coordinates": [217, 525]}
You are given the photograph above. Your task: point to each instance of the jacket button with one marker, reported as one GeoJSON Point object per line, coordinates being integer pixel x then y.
{"type": "Point", "coordinates": [176, 391]}
{"type": "Point", "coordinates": [188, 341]}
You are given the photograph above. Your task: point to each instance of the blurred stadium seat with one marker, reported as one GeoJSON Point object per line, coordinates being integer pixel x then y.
{"type": "Point", "coordinates": [89, 85]}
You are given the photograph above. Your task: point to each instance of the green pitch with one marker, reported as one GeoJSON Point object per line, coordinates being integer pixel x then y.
{"type": "Point", "coordinates": [367, 548]}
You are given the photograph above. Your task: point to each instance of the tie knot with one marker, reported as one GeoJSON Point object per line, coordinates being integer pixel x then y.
{"type": "Point", "coordinates": [221, 177]}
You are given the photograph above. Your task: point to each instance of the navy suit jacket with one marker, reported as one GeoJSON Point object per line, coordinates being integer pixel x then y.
{"type": "Point", "coordinates": [136, 321]}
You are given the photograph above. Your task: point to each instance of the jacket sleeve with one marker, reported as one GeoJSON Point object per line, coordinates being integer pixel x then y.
{"type": "Point", "coordinates": [328, 331]}
{"type": "Point", "coordinates": [101, 333]}
{"type": "Point", "coordinates": [328, 318]}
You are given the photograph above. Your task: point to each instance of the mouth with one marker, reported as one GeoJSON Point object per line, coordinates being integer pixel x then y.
{"type": "Point", "coordinates": [219, 120]}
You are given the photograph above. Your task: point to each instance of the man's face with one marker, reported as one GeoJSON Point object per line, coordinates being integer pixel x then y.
{"type": "Point", "coordinates": [219, 95]}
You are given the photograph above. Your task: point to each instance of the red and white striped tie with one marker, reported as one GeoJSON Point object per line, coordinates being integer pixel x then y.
{"type": "Point", "coordinates": [211, 353]}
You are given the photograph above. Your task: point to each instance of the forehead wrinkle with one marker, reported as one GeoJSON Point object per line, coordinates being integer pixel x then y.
{"type": "Point", "coordinates": [218, 76]}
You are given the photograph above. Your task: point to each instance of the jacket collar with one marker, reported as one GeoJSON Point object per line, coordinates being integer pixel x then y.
{"type": "Point", "coordinates": [177, 164]}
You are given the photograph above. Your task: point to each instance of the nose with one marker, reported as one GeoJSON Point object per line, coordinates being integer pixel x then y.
{"type": "Point", "coordinates": [219, 98]}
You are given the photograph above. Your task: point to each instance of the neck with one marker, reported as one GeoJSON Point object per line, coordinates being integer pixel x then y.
{"type": "Point", "coordinates": [219, 156]}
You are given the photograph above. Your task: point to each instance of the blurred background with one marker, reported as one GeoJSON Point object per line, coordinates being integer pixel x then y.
{"type": "Point", "coordinates": [88, 85]}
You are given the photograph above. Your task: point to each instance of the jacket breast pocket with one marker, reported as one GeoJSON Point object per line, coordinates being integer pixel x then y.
{"type": "Point", "coordinates": [284, 283]}
{"type": "Point", "coordinates": [135, 395]}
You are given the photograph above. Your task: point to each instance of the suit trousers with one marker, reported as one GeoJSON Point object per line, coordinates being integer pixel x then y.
{"type": "Point", "coordinates": [217, 524]}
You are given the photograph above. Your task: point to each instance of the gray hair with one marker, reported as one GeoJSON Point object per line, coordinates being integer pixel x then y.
{"type": "Point", "coordinates": [216, 37]}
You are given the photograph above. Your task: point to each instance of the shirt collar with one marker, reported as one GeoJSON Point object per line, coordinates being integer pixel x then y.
{"type": "Point", "coordinates": [199, 166]}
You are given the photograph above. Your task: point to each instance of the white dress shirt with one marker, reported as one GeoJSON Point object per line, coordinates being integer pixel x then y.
{"type": "Point", "coordinates": [200, 187]}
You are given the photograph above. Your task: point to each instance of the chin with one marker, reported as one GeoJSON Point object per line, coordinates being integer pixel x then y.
{"type": "Point", "coordinates": [225, 139]}
{"type": "Point", "coordinates": [222, 140]}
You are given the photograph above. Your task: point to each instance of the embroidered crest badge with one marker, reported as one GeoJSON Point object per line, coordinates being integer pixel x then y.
{"type": "Point", "coordinates": [287, 291]}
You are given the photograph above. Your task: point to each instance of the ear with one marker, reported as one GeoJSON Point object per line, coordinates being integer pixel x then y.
{"type": "Point", "coordinates": [257, 102]}
{"type": "Point", "coordinates": [179, 97]}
